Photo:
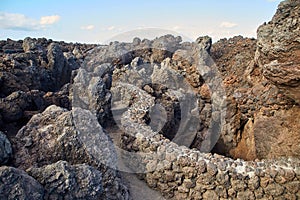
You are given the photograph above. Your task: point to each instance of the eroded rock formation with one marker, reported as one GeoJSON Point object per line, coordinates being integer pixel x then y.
{"type": "Point", "coordinates": [79, 113]}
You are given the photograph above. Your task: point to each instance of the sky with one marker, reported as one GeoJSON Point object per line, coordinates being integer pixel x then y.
{"type": "Point", "coordinates": [101, 21]}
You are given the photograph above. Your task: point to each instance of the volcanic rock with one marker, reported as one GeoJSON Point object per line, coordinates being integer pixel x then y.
{"type": "Point", "coordinates": [62, 180]}
{"type": "Point", "coordinates": [16, 184]}
{"type": "Point", "coordinates": [5, 149]}
{"type": "Point", "coordinates": [278, 52]}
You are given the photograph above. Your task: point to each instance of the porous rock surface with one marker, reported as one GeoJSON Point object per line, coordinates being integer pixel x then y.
{"type": "Point", "coordinates": [172, 101]}
{"type": "Point", "coordinates": [64, 181]}
{"type": "Point", "coordinates": [17, 184]}
{"type": "Point", "coordinates": [278, 48]}
{"type": "Point", "coordinates": [52, 136]}
{"type": "Point", "coordinates": [5, 149]}
{"type": "Point", "coordinates": [32, 73]}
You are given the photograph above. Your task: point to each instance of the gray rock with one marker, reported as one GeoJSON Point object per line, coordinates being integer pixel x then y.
{"type": "Point", "coordinates": [61, 71]}
{"type": "Point", "coordinates": [5, 149]}
{"type": "Point", "coordinates": [59, 134]}
{"type": "Point", "coordinates": [91, 92]}
{"type": "Point", "coordinates": [64, 181]}
{"type": "Point", "coordinates": [29, 44]}
{"type": "Point", "coordinates": [12, 107]}
{"type": "Point", "coordinates": [16, 184]}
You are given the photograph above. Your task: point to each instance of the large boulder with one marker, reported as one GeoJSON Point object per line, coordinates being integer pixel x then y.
{"type": "Point", "coordinates": [73, 136]}
{"type": "Point", "coordinates": [16, 184]}
{"type": "Point", "coordinates": [64, 181]}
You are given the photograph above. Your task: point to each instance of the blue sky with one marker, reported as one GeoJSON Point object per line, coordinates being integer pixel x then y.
{"type": "Point", "coordinates": [93, 21]}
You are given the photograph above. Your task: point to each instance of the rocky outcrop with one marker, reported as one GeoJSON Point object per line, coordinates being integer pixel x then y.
{"type": "Point", "coordinates": [275, 82]}
{"type": "Point", "coordinates": [261, 80]}
{"type": "Point", "coordinates": [17, 108]}
{"type": "Point", "coordinates": [278, 52]}
{"type": "Point", "coordinates": [165, 104]}
{"type": "Point", "coordinates": [91, 91]}
{"type": "Point", "coordinates": [16, 184]}
{"type": "Point", "coordinates": [64, 181]}
{"type": "Point", "coordinates": [248, 93]}
{"type": "Point", "coordinates": [5, 149]}
{"type": "Point", "coordinates": [32, 75]}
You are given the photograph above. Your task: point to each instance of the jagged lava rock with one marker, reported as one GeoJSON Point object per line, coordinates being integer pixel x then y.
{"type": "Point", "coordinates": [64, 181]}
{"type": "Point", "coordinates": [278, 52]}
{"type": "Point", "coordinates": [52, 136]}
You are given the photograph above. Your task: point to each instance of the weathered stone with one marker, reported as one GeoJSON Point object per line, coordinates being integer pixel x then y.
{"type": "Point", "coordinates": [210, 194]}
{"type": "Point", "coordinates": [212, 169]}
{"type": "Point", "coordinates": [29, 44]}
{"type": "Point", "coordinates": [62, 180]}
{"type": "Point", "coordinates": [249, 195]}
{"type": "Point", "coordinates": [57, 134]}
{"type": "Point", "coordinates": [278, 49]}
{"type": "Point", "coordinates": [5, 149]}
{"type": "Point", "coordinates": [253, 183]}
{"type": "Point", "coordinates": [274, 189]}
{"type": "Point", "coordinates": [293, 187]}
{"type": "Point", "coordinates": [57, 64]}
{"type": "Point", "coordinates": [188, 183]}
{"type": "Point", "coordinates": [16, 184]}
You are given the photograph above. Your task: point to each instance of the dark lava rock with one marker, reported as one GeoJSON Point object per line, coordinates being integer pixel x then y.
{"type": "Point", "coordinates": [5, 149]}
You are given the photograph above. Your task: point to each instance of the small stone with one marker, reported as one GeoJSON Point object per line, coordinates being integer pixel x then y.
{"type": "Point", "coordinates": [231, 192]}
{"type": "Point", "coordinates": [210, 194]}
{"type": "Point", "coordinates": [201, 166]}
{"type": "Point", "coordinates": [212, 169]}
{"type": "Point", "coordinates": [253, 183]}
{"type": "Point", "coordinates": [293, 187]}
{"type": "Point", "coordinates": [246, 195]}
{"type": "Point", "coordinates": [274, 189]}
{"type": "Point", "coordinates": [183, 189]}
{"type": "Point", "coordinates": [188, 183]}
{"type": "Point", "coordinates": [289, 175]}
{"type": "Point", "coordinates": [259, 193]}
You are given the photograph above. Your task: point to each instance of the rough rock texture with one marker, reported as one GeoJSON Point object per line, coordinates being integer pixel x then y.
{"type": "Point", "coordinates": [181, 173]}
{"type": "Point", "coordinates": [274, 124]}
{"type": "Point", "coordinates": [5, 149]}
{"type": "Point", "coordinates": [238, 97]}
{"type": "Point", "coordinates": [261, 80]}
{"type": "Point", "coordinates": [91, 91]}
{"type": "Point", "coordinates": [64, 181]}
{"type": "Point", "coordinates": [248, 94]}
{"type": "Point", "coordinates": [30, 69]}
{"type": "Point", "coordinates": [52, 136]}
{"type": "Point", "coordinates": [16, 184]}
{"type": "Point", "coordinates": [278, 52]}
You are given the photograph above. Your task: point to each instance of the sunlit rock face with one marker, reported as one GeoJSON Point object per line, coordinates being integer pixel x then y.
{"type": "Point", "coordinates": [278, 52]}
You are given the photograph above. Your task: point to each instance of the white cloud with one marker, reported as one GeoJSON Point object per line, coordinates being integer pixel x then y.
{"type": "Point", "coordinates": [228, 25]}
{"type": "Point", "coordinates": [88, 27]}
{"type": "Point", "coordinates": [111, 28]}
{"type": "Point", "coordinates": [47, 20]}
{"type": "Point", "coordinates": [176, 28]}
{"type": "Point", "coordinates": [274, 0]}
{"type": "Point", "coordinates": [16, 21]}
